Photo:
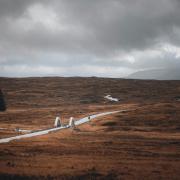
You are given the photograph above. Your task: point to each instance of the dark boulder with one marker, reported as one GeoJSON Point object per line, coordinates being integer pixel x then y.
{"type": "Point", "coordinates": [2, 102]}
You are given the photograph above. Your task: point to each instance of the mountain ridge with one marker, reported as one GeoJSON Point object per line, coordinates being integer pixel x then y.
{"type": "Point", "coordinates": [157, 74]}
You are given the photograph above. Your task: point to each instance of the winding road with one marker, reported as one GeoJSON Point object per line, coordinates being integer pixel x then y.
{"type": "Point", "coordinates": [42, 132]}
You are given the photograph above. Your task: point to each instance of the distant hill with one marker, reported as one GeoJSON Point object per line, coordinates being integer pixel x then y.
{"type": "Point", "coordinates": [159, 74]}
{"type": "Point", "coordinates": [50, 92]}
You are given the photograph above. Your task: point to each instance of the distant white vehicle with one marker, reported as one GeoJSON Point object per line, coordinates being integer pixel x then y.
{"type": "Point", "coordinates": [22, 130]}
{"type": "Point", "coordinates": [111, 98]}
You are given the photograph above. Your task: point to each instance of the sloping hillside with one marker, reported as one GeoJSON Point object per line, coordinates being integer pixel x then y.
{"type": "Point", "coordinates": [159, 74]}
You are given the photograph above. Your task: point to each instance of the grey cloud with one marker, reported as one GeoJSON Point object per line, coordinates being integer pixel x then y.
{"type": "Point", "coordinates": [124, 25]}
{"type": "Point", "coordinates": [14, 8]}
{"type": "Point", "coordinates": [102, 27]}
{"type": "Point", "coordinates": [167, 60]}
{"type": "Point", "coordinates": [93, 33]}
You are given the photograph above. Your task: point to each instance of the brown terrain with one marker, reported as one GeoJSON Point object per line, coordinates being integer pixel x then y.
{"type": "Point", "coordinates": [142, 143]}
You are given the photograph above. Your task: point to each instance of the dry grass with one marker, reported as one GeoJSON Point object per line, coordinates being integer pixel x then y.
{"type": "Point", "coordinates": [143, 143]}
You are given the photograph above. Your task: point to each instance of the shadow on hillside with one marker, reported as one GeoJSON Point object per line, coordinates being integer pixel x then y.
{"type": "Point", "coordinates": [91, 174]}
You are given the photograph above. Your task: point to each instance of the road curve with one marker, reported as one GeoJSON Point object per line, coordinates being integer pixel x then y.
{"type": "Point", "coordinates": [42, 132]}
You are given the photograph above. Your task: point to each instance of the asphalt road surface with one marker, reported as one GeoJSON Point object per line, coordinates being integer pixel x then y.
{"type": "Point", "coordinates": [42, 132]}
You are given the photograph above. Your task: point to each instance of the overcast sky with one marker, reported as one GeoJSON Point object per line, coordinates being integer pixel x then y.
{"type": "Point", "coordinates": [110, 38]}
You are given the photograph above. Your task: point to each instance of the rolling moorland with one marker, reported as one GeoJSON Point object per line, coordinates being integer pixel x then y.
{"type": "Point", "coordinates": [142, 143]}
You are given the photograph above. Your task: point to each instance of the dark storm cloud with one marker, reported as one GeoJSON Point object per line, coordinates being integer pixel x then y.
{"type": "Point", "coordinates": [124, 25]}
{"type": "Point", "coordinates": [14, 8]}
{"type": "Point", "coordinates": [96, 33]}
